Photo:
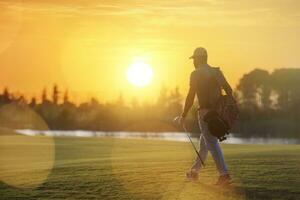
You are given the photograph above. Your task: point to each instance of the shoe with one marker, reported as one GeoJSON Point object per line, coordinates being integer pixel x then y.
{"type": "Point", "coordinates": [224, 180]}
{"type": "Point", "coordinates": [192, 175]}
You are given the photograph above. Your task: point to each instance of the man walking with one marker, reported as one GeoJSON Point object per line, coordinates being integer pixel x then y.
{"type": "Point", "coordinates": [207, 83]}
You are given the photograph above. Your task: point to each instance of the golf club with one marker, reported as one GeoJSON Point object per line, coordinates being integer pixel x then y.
{"type": "Point", "coordinates": [190, 139]}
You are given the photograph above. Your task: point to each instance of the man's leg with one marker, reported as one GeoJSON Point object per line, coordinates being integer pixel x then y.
{"type": "Point", "coordinates": [193, 173]}
{"type": "Point", "coordinates": [203, 154]}
{"type": "Point", "coordinates": [213, 147]}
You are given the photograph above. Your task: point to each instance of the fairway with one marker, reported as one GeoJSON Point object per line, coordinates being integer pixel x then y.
{"type": "Point", "coordinates": [106, 168]}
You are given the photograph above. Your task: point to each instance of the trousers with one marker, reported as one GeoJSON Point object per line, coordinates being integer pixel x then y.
{"type": "Point", "coordinates": [209, 143]}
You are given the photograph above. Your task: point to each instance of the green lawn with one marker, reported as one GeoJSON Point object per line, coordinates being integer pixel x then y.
{"type": "Point", "coordinates": [95, 168]}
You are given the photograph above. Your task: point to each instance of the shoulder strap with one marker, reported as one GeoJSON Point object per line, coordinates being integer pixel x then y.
{"type": "Point", "coordinates": [214, 71]}
{"type": "Point", "coordinates": [218, 75]}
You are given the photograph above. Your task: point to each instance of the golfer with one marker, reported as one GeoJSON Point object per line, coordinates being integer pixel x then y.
{"type": "Point", "coordinates": [207, 83]}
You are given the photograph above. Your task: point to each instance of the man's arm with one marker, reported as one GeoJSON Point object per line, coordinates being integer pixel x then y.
{"type": "Point", "coordinates": [188, 101]}
{"type": "Point", "coordinates": [190, 96]}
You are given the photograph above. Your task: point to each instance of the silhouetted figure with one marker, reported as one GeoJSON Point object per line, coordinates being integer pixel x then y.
{"type": "Point", "coordinates": [207, 83]}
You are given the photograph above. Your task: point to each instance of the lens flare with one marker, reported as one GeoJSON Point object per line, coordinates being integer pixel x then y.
{"type": "Point", "coordinates": [25, 161]}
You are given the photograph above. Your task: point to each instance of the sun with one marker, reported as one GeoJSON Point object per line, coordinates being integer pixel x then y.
{"type": "Point", "coordinates": [139, 74]}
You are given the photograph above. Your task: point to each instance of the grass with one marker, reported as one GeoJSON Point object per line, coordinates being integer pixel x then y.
{"type": "Point", "coordinates": [106, 168]}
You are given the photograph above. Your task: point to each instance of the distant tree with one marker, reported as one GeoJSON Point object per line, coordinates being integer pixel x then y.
{"type": "Point", "coordinates": [255, 90]}
{"type": "Point", "coordinates": [66, 97]}
{"type": "Point", "coordinates": [94, 102]}
{"type": "Point", "coordinates": [286, 84]}
{"type": "Point", "coordinates": [32, 103]}
{"type": "Point", "coordinates": [55, 94]}
{"type": "Point", "coordinates": [6, 96]}
{"type": "Point", "coordinates": [44, 96]}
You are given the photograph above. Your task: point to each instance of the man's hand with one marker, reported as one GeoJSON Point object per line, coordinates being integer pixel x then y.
{"type": "Point", "coordinates": [180, 120]}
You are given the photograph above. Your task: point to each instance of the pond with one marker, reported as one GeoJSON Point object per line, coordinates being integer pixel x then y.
{"type": "Point", "coordinates": [169, 136]}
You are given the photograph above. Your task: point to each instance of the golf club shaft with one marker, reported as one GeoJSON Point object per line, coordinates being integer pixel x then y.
{"type": "Point", "coordinates": [187, 133]}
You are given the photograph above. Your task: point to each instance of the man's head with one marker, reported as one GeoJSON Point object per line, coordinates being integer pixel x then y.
{"type": "Point", "coordinates": [199, 56]}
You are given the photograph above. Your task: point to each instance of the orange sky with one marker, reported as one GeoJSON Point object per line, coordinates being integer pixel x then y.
{"type": "Point", "coordinates": [87, 47]}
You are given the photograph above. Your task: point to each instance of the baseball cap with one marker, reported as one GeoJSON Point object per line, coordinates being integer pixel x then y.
{"type": "Point", "coordinates": [199, 52]}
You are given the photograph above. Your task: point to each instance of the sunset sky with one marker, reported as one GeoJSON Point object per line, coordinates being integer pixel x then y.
{"type": "Point", "coordinates": [88, 47]}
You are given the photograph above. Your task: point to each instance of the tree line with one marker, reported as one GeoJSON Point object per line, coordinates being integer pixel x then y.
{"type": "Point", "coordinates": [269, 106]}
{"type": "Point", "coordinates": [269, 103]}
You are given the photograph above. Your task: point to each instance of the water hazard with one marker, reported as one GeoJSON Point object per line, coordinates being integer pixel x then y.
{"type": "Point", "coordinates": [169, 136]}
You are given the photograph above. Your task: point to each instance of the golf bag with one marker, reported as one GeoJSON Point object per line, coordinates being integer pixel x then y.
{"type": "Point", "coordinates": [222, 119]}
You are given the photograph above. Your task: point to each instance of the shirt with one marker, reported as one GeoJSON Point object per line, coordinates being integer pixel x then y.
{"type": "Point", "coordinates": [208, 83]}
